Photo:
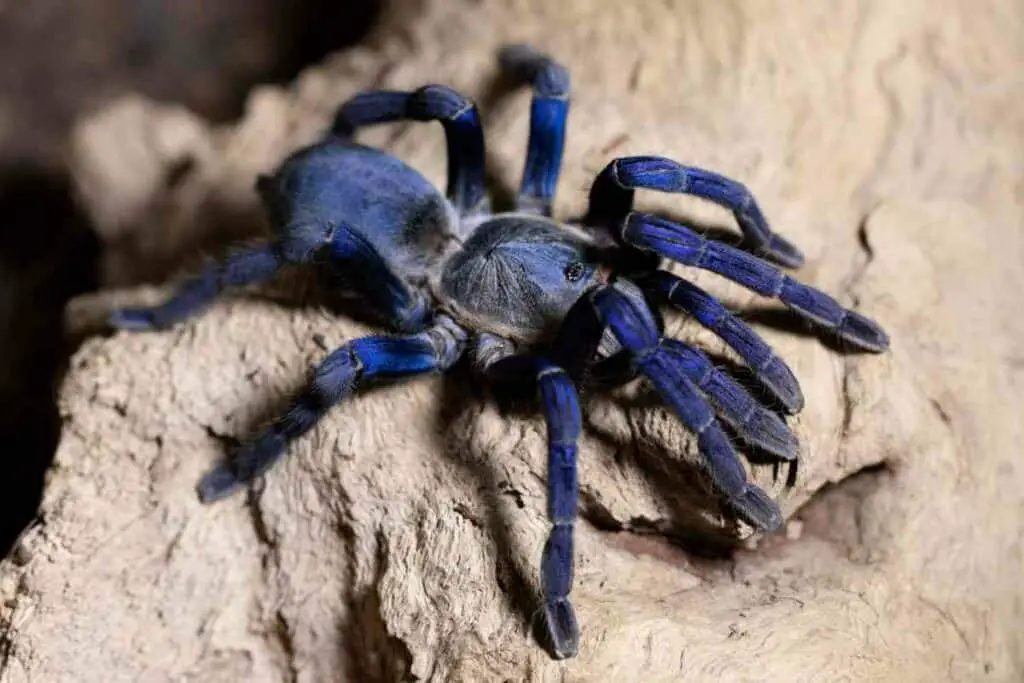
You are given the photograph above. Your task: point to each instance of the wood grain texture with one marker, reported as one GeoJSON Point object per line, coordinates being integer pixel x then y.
{"type": "Point", "coordinates": [401, 539]}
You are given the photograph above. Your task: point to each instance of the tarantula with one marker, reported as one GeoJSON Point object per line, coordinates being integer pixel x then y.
{"type": "Point", "coordinates": [526, 297]}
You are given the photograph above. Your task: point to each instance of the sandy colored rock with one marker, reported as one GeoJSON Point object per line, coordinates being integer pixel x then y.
{"type": "Point", "coordinates": [400, 539]}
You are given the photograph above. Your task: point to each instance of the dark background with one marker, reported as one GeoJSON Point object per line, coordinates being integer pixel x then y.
{"type": "Point", "coordinates": [60, 59]}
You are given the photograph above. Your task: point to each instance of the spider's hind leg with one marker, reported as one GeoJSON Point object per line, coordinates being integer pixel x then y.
{"type": "Point", "coordinates": [548, 113]}
{"type": "Point", "coordinates": [360, 265]}
{"type": "Point", "coordinates": [242, 267]}
{"type": "Point", "coordinates": [456, 113]}
{"type": "Point", "coordinates": [337, 377]}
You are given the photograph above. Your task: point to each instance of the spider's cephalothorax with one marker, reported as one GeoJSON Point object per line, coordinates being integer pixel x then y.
{"type": "Point", "coordinates": [525, 297]}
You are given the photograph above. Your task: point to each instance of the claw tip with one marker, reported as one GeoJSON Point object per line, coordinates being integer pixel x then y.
{"type": "Point", "coordinates": [215, 485]}
{"type": "Point", "coordinates": [559, 629]}
{"type": "Point", "coordinates": [865, 333]}
{"type": "Point", "coordinates": [129, 319]}
{"type": "Point", "coordinates": [757, 509]}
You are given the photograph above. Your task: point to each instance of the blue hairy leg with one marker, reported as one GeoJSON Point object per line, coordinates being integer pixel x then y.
{"type": "Point", "coordinates": [561, 407]}
{"type": "Point", "coordinates": [242, 267]}
{"type": "Point", "coordinates": [403, 308]}
{"type": "Point", "coordinates": [456, 113]}
{"type": "Point", "coordinates": [611, 198]}
{"type": "Point", "coordinates": [337, 377]}
{"type": "Point", "coordinates": [357, 262]}
{"type": "Point", "coordinates": [755, 424]}
{"type": "Point", "coordinates": [548, 113]}
{"type": "Point", "coordinates": [768, 368]}
{"type": "Point", "coordinates": [683, 245]}
{"type": "Point", "coordinates": [633, 325]}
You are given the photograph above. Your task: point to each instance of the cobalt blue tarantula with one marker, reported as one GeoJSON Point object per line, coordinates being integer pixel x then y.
{"type": "Point", "coordinates": [524, 296]}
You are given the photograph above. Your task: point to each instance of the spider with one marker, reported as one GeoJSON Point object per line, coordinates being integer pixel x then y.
{"type": "Point", "coordinates": [524, 297]}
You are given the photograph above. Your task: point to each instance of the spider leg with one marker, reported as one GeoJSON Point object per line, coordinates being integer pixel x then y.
{"type": "Point", "coordinates": [242, 267]}
{"type": "Point", "coordinates": [402, 307]}
{"type": "Point", "coordinates": [611, 198]}
{"type": "Point", "coordinates": [337, 377]}
{"type": "Point", "coordinates": [548, 112]}
{"type": "Point", "coordinates": [651, 233]}
{"type": "Point", "coordinates": [632, 323]}
{"type": "Point", "coordinates": [561, 407]}
{"type": "Point", "coordinates": [754, 423]}
{"type": "Point", "coordinates": [769, 368]}
{"type": "Point", "coordinates": [456, 113]}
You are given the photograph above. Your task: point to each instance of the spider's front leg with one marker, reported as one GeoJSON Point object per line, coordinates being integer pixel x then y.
{"type": "Point", "coordinates": [611, 202]}
{"type": "Point", "coordinates": [337, 377]}
{"type": "Point", "coordinates": [676, 372]}
{"type": "Point", "coordinates": [753, 422]}
{"type": "Point", "coordinates": [651, 233]}
{"type": "Point", "coordinates": [493, 358]}
{"type": "Point", "coordinates": [769, 369]}
{"type": "Point", "coordinates": [611, 199]}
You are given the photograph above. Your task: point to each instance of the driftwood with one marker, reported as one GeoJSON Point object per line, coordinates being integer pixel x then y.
{"type": "Point", "coordinates": [400, 540]}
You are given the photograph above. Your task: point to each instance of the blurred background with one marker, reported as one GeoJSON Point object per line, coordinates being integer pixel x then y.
{"type": "Point", "coordinates": [59, 60]}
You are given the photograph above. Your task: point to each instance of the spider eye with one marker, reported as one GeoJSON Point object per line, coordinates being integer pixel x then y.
{"type": "Point", "coordinates": [574, 271]}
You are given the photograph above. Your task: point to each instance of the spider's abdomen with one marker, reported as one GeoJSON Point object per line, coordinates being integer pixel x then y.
{"type": "Point", "coordinates": [517, 276]}
{"type": "Point", "coordinates": [340, 184]}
